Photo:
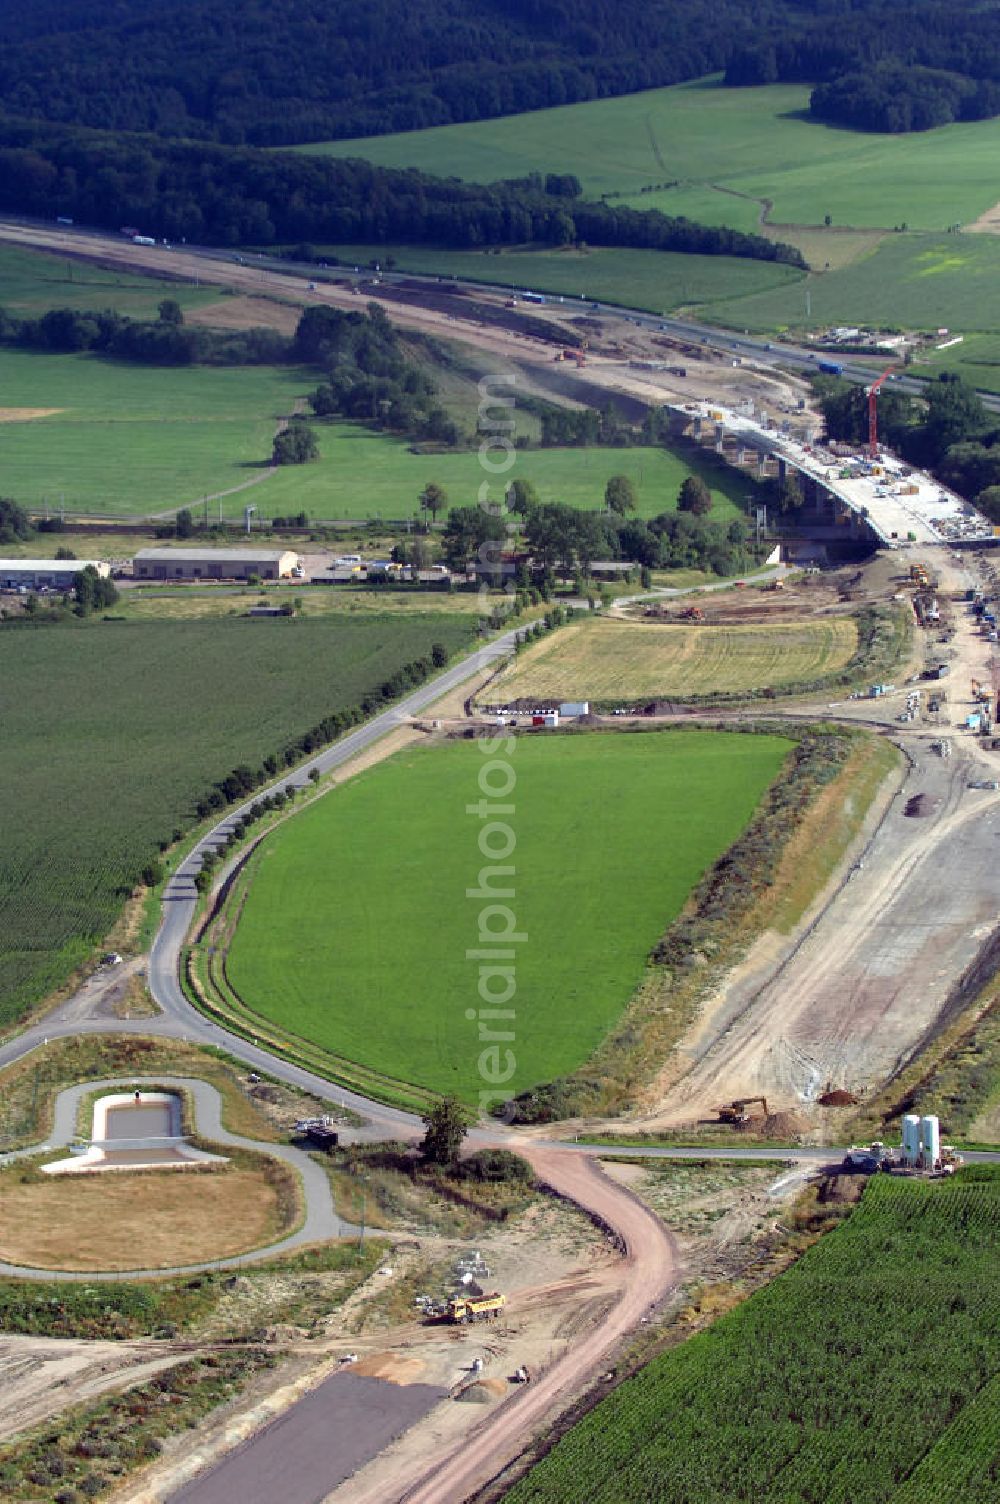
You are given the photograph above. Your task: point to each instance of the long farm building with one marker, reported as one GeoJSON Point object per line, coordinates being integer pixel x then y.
{"type": "Point", "coordinates": [214, 563]}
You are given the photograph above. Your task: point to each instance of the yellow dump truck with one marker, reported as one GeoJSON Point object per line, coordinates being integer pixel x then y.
{"type": "Point", "coordinates": [463, 1309]}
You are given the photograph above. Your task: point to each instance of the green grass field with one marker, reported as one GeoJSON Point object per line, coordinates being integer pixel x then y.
{"type": "Point", "coordinates": [700, 137]}
{"type": "Point", "coordinates": [920, 281]}
{"type": "Point", "coordinates": [355, 931]}
{"type": "Point", "coordinates": [131, 439]}
{"type": "Point", "coordinates": [140, 440]}
{"type": "Point", "coordinates": [864, 1375]}
{"type": "Point", "coordinates": [609, 660]}
{"type": "Point", "coordinates": [112, 730]}
{"type": "Point", "coordinates": [361, 473]}
{"type": "Point", "coordinates": [31, 282]}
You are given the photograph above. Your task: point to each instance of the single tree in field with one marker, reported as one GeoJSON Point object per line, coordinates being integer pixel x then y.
{"type": "Point", "coordinates": [171, 312]}
{"type": "Point", "coordinates": [619, 495]}
{"type": "Point", "coordinates": [694, 496]}
{"type": "Point", "coordinates": [433, 499]}
{"type": "Point", "coordinates": [447, 1122]}
{"type": "Point", "coordinates": [521, 497]}
{"type": "Point", "coordinates": [295, 445]}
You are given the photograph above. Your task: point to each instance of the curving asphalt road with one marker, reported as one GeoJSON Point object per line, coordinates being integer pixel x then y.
{"type": "Point", "coordinates": [321, 1221]}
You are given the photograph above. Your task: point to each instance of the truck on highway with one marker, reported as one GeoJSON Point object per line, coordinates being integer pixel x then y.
{"type": "Point", "coordinates": [830, 368]}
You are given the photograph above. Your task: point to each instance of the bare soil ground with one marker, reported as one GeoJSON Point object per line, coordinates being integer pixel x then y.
{"type": "Point", "coordinates": [988, 222]}
{"type": "Point", "coordinates": [134, 1220]}
{"type": "Point", "coordinates": [245, 313]}
{"type": "Point", "coordinates": [25, 414]}
{"type": "Point", "coordinates": [722, 1216]}
{"type": "Point", "coordinates": [39, 1376]}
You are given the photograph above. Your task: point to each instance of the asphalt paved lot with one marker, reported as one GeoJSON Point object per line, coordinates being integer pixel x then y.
{"type": "Point", "coordinates": [317, 1444]}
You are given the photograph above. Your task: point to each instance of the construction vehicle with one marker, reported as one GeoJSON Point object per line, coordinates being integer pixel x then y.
{"type": "Point", "coordinates": [462, 1310]}
{"type": "Point", "coordinates": [692, 613]}
{"type": "Point", "coordinates": [735, 1112]}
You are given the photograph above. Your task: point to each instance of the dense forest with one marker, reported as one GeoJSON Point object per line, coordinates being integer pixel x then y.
{"type": "Point", "coordinates": [272, 74]}
{"type": "Point", "coordinates": [219, 195]}
{"type": "Point", "coordinates": [367, 375]}
{"type": "Point", "coordinates": [883, 68]}
{"type": "Point", "coordinates": [263, 74]}
{"type": "Point", "coordinates": [890, 97]}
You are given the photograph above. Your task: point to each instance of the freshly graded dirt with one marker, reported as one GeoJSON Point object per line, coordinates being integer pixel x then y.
{"type": "Point", "coordinates": [40, 1376]}
{"type": "Point", "coordinates": [391, 1366]}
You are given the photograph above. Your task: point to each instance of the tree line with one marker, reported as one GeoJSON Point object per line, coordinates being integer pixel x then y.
{"type": "Point", "coordinates": [218, 195]}
{"type": "Point", "coordinates": [564, 539]}
{"type": "Point", "coordinates": [241, 781]}
{"type": "Point", "coordinates": [160, 342]}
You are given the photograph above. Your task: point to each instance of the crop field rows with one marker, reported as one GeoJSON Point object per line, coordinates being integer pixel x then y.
{"type": "Point", "coordinates": [612, 832]}
{"type": "Point", "coordinates": [113, 730]}
{"type": "Point", "coordinates": [609, 660]}
{"type": "Point", "coordinates": [864, 1375]}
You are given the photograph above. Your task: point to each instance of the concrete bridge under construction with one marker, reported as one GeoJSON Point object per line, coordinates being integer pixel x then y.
{"type": "Point", "coordinates": [882, 501]}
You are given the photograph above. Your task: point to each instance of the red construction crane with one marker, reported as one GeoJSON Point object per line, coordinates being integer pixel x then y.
{"type": "Point", "coordinates": [871, 393]}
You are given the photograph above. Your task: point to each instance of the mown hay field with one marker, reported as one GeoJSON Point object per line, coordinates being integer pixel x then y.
{"type": "Point", "coordinates": [356, 927]}
{"type": "Point", "coordinates": [145, 1220]}
{"type": "Point", "coordinates": [112, 731]}
{"type": "Point", "coordinates": [620, 660]}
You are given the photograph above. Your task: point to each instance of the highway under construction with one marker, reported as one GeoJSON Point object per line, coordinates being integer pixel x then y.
{"type": "Point", "coordinates": [898, 941]}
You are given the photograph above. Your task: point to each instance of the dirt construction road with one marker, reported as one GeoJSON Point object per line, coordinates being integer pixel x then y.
{"type": "Point", "coordinates": [640, 1280]}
